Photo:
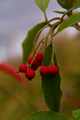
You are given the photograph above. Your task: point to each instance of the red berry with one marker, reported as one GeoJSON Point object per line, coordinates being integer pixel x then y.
{"type": "Point", "coordinates": [11, 70]}
{"type": "Point", "coordinates": [39, 57]}
{"type": "Point", "coordinates": [22, 68]}
{"type": "Point", "coordinates": [35, 63]}
{"type": "Point", "coordinates": [34, 66]}
{"type": "Point", "coordinates": [30, 73]}
{"type": "Point", "coordinates": [53, 69]}
{"type": "Point", "coordinates": [44, 70]}
{"type": "Point", "coordinates": [30, 60]}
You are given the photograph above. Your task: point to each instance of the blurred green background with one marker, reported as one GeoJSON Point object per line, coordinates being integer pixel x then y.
{"type": "Point", "coordinates": [18, 102]}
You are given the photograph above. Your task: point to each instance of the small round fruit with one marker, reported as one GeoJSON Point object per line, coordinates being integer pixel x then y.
{"type": "Point", "coordinates": [39, 57]}
{"type": "Point", "coordinates": [44, 70]}
{"type": "Point", "coordinates": [22, 68]}
{"type": "Point", "coordinates": [53, 69]}
{"type": "Point", "coordinates": [30, 73]}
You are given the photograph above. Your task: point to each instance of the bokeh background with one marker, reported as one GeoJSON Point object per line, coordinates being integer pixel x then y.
{"type": "Point", "coordinates": [16, 17]}
{"type": "Point", "coordinates": [17, 102]}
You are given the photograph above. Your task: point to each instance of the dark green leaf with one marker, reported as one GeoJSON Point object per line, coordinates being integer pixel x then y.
{"type": "Point", "coordinates": [69, 22]}
{"type": "Point", "coordinates": [51, 84]}
{"type": "Point", "coordinates": [47, 116]}
{"type": "Point", "coordinates": [55, 61]}
{"type": "Point", "coordinates": [48, 55]}
{"type": "Point", "coordinates": [52, 92]}
{"type": "Point", "coordinates": [42, 4]}
{"type": "Point", "coordinates": [27, 44]}
{"type": "Point", "coordinates": [60, 12]}
{"type": "Point", "coordinates": [68, 4]}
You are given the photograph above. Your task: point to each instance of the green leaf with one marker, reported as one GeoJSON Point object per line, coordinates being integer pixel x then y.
{"type": "Point", "coordinates": [51, 85]}
{"type": "Point", "coordinates": [76, 114]}
{"type": "Point", "coordinates": [52, 92]}
{"type": "Point", "coordinates": [48, 55]}
{"type": "Point", "coordinates": [54, 57]}
{"type": "Point", "coordinates": [27, 44]}
{"type": "Point", "coordinates": [47, 116]}
{"type": "Point", "coordinates": [68, 4]}
{"type": "Point", "coordinates": [42, 4]}
{"type": "Point", "coordinates": [72, 20]}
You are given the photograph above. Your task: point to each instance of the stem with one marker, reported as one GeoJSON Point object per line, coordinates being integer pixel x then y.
{"type": "Point", "coordinates": [36, 50]}
{"type": "Point", "coordinates": [69, 13]}
{"type": "Point", "coordinates": [45, 16]}
{"type": "Point", "coordinates": [47, 25]}
{"type": "Point", "coordinates": [60, 12]}
{"type": "Point", "coordinates": [46, 19]}
{"type": "Point", "coordinates": [77, 26]}
{"type": "Point", "coordinates": [56, 18]}
{"type": "Point", "coordinates": [53, 30]}
{"type": "Point", "coordinates": [38, 34]}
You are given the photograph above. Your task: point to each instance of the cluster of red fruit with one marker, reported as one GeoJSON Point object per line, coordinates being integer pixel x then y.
{"type": "Point", "coordinates": [48, 70]}
{"type": "Point", "coordinates": [34, 63]}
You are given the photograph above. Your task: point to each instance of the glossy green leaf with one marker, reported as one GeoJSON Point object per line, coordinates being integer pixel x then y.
{"type": "Point", "coordinates": [47, 116]}
{"type": "Point", "coordinates": [51, 85]}
{"type": "Point", "coordinates": [72, 20]}
{"type": "Point", "coordinates": [27, 44]}
{"type": "Point", "coordinates": [76, 114]}
{"type": "Point", "coordinates": [42, 4]}
{"type": "Point", "coordinates": [48, 55]}
{"type": "Point", "coordinates": [54, 57]}
{"type": "Point", "coordinates": [52, 92]}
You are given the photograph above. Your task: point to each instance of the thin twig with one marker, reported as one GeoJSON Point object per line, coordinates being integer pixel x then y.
{"type": "Point", "coordinates": [77, 26]}
{"type": "Point", "coordinates": [45, 16]}
{"type": "Point", "coordinates": [37, 49]}
{"type": "Point", "coordinates": [45, 26]}
{"type": "Point", "coordinates": [53, 19]}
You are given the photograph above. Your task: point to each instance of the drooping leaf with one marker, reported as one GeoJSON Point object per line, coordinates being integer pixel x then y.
{"type": "Point", "coordinates": [52, 92]}
{"type": "Point", "coordinates": [48, 55]}
{"type": "Point", "coordinates": [76, 114]}
{"type": "Point", "coordinates": [50, 115]}
{"type": "Point", "coordinates": [51, 85]}
{"type": "Point", "coordinates": [42, 4]}
{"type": "Point", "coordinates": [73, 19]}
{"type": "Point", "coordinates": [27, 44]}
{"type": "Point", "coordinates": [54, 57]}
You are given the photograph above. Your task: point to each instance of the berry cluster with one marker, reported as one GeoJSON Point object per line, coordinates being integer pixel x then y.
{"type": "Point", "coordinates": [48, 70]}
{"type": "Point", "coordinates": [33, 64]}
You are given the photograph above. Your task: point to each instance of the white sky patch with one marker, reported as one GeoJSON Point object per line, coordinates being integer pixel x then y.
{"type": "Point", "coordinates": [16, 46]}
